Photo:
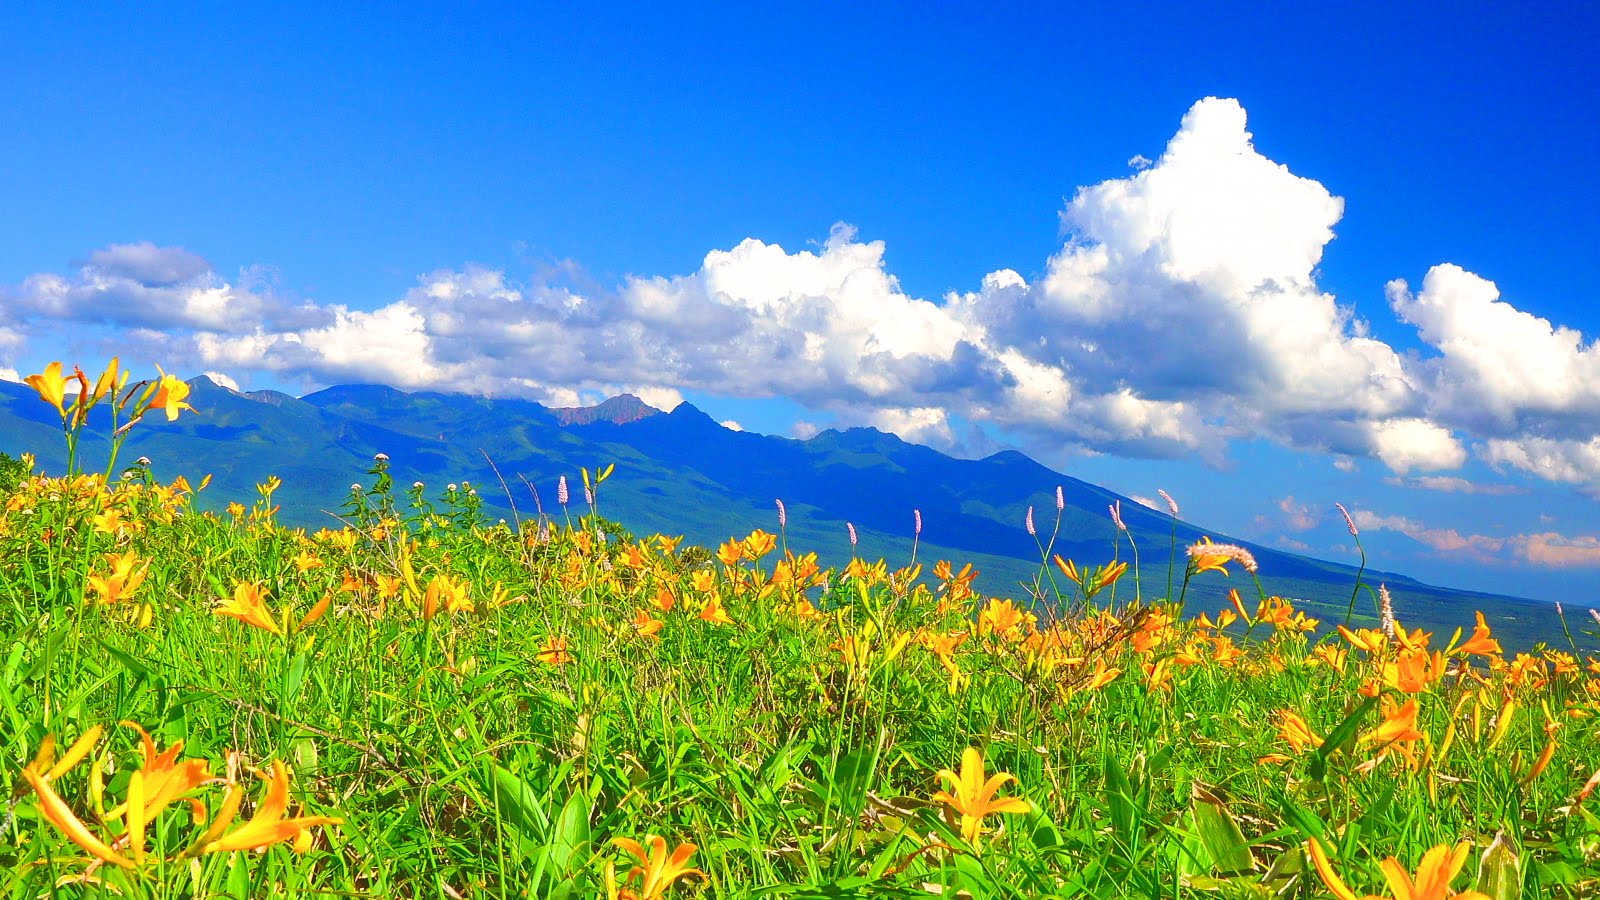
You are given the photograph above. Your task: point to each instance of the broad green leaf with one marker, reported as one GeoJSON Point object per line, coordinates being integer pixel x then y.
{"type": "Point", "coordinates": [1219, 833]}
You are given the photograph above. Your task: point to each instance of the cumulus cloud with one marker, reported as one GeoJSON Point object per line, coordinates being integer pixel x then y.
{"type": "Point", "coordinates": [224, 380]}
{"type": "Point", "coordinates": [1182, 312]}
{"type": "Point", "coordinates": [1547, 549]}
{"type": "Point", "coordinates": [1570, 461]}
{"type": "Point", "coordinates": [731, 425]}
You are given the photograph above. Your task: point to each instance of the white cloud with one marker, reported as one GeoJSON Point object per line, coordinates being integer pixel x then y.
{"type": "Point", "coordinates": [924, 425]}
{"type": "Point", "coordinates": [1406, 444]}
{"type": "Point", "coordinates": [663, 398]}
{"type": "Point", "coordinates": [142, 285]}
{"type": "Point", "coordinates": [1182, 312]}
{"type": "Point", "coordinates": [1451, 484]}
{"type": "Point", "coordinates": [1188, 292]}
{"type": "Point", "coordinates": [224, 380]}
{"type": "Point", "coordinates": [1544, 550]}
{"type": "Point", "coordinates": [731, 425]}
{"type": "Point", "coordinates": [1560, 552]}
{"type": "Point", "coordinates": [1498, 366]}
{"type": "Point", "coordinates": [1570, 461]}
{"type": "Point", "coordinates": [1297, 516]}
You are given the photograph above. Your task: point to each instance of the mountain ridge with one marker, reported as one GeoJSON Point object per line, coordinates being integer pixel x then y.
{"type": "Point", "coordinates": [680, 472]}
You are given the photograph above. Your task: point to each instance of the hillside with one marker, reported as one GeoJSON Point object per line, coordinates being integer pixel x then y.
{"type": "Point", "coordinates": [683, 473]}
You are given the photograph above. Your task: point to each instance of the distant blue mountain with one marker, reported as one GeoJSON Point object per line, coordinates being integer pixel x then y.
{"type": "Point", "coordinates": [683, 473]}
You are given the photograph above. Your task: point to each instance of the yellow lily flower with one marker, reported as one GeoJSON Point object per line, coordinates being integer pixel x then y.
{"type": "Point", "coordinates": [109, 382]}
{"type": "Point", "coordinates": [124, 578]}
{"type": "Point", "coordinates": [1438, 868]}
{"type": "Point", "coordinates": [249, 606]}
{"type": "Point", "coordinates": [45, 769]}
{"type": "Point", "coordinates": [1296, 732]}
{"type": "Point", "coordinates": [267, 826]}
{"type": "Point", "coordinates": [171, 394]}
{"type": "Point", "coordinates": [1398, 727]}
{"type": "Point", "coordinates": [656, 870]}
{"type": "Point", "coordinates": [646, 626]}
{"type": "Point", "coordinates": [447, 593]}
{"type": "Point", "coordinates": [51, 387]}
{"type": "Point", "coordinates": [58, 813]}
{"type": "Point", "coordinates": [974, 796]}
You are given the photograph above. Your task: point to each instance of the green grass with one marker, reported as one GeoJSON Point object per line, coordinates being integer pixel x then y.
{"type": "Point", "coordinates": [799, 754]}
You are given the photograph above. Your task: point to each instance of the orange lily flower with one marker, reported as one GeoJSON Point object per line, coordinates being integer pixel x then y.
{"type": "Point", "coordinates": [171, 394]}
{"type": "Point", "coordinates": [1399, 726]}
{"type": "Point", "coordinates": [1480, 642]}
{"type": "Point", "coordinates": [974, 796]}
{"type": "Point", "coordinates": [1296, 732]}
{"type": "Point", "coordinates": [158, 782]}
{"type": "Point", "coordinates": [555, 652]}
{"type": "Point", "coordinates": [1438, 868]}
{"type": "Point", "coordinates": [124, 578]}
{"type": "Point", "coordinates": [645, 626]}
{"type": "Point", "coordinates": [267, 826]}
{"type": "Point", "coordinates": [1102, 676]}
{"type": "Point", "coordinates": [714, 613]}
{"type": "Point", "coordinates": [249, 606]}
{"type": "Point", "coordinates": [657, 870]}
{"type": "Point", "coordinates": [51, 387]}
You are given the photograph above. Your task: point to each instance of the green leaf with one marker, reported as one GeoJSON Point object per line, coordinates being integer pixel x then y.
{"type": "Point", "coordinates": [1219, 833]}
{"type": "Point", "coordinates": [1500, 871]}
{"type": "Point", "coordinates": [1119, 797]}
{"type": "Point", "coordinates": [1339, 737]}
{"type": "Point", "coordinates": [132, 664]}
{"type": "Point", "coordinates": [571, 837]}
{"type": "Point", "coordinates": [296, 678]}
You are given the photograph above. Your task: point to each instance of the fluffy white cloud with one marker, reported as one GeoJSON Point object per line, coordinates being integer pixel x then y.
{"type": "Point", "coordinates": [1187, 293]}
{"type": "Point", "coordinates": [1546, 549]}
{"type": "Point", "coordinates": [224, 380]}
{"type": "Point", "coordinates": [1570, 461]}
{"type": "Point", "coordinates": [1406, 444]}
{"type": "Point", "coordinates": [142, 285]}
{"type": "Point", "coordinates": [731, 425]}
{"type": "Point", "coordinates": [1182, 312]}
{"type": "Point", "coordinates": [1498, 366]}
{"type": "Point", "coordinates": [1561, 552]}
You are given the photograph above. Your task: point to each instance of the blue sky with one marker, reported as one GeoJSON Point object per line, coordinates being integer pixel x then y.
{"type": "Point", "coordinates": [528, 191]}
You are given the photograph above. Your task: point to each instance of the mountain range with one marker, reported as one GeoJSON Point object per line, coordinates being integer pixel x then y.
{"type": "Point", "coordinates": [681, 472]}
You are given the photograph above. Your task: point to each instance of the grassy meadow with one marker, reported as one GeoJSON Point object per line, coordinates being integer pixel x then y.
{"type": "Point", "coordinates": [430, 703]}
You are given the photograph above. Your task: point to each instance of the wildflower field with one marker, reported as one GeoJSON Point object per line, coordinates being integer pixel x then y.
{"type": "Point", "coordinates": [423, 703]}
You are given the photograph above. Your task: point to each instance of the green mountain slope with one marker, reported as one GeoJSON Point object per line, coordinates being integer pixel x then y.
{"type": "Point", "coordinates": [682, 473]}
